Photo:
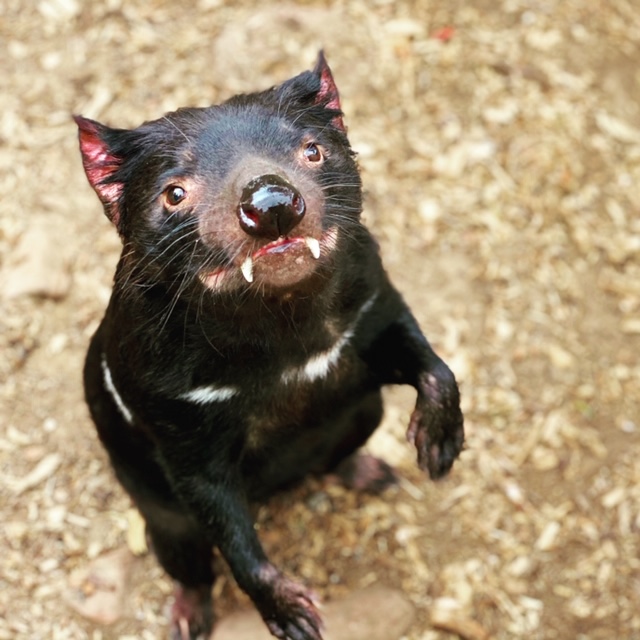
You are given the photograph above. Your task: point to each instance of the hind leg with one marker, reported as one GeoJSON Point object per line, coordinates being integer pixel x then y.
{"type": "Point", "coordinates": [186, 556]}
{"type": "Point", "coordinates": [182, 550]}
{"type": "Point", "coordinates": [360, 471]}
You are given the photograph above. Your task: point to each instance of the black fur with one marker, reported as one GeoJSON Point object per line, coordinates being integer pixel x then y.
{"type": "Point", "coordinates": [192, 469]}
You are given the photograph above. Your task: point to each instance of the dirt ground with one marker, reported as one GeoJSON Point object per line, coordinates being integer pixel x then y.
{"type": "Point", "coordinates": [500, 149]}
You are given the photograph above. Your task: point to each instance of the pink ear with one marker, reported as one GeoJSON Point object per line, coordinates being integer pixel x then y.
{"type": "Point", "coordinates": [328, 95]}
{"type": "Point", "coordinates": [99, 165]}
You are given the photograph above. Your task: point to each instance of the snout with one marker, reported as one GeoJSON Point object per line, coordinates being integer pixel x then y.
{"type": "Point", "coordinates": [270, 207]}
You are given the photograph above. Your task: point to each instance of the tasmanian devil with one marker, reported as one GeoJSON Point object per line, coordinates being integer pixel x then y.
{"type": "Point", "coordinates": [249, 332]}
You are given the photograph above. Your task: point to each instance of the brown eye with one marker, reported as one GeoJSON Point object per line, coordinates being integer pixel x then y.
{"type": "Point", "coordinates": [174, 195]}
{"type": "Point", "coordinates": [312, 153]}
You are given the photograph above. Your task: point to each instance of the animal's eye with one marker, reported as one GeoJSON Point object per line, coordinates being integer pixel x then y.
{"type": "Point", "coordinates": [174, 195]}
{"type": "Point", "coordinates": [313, 153]}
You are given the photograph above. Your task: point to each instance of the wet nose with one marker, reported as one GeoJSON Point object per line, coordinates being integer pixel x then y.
{"type": "Point", "coordinates": [270, 207]}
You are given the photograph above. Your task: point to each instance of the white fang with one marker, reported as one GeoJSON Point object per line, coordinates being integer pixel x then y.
{"type": "Point", "coordinates": [111, 388]}
{"type": "Point", "coordinates": [247, 269]}
{"type": "Point", "coordinates": [314, 246]}
{"type": "Point", "coordinates": [318, 366]}
{"type": "Point", "coordinates": [208, 394]}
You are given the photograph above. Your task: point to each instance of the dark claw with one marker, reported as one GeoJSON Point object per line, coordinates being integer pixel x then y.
{"type": "Point", "coordinates": [289, 610]}
{"type": "Point", "coordinates": [295, 633]}
{"type": "Point", "coordinates": [303, 624]}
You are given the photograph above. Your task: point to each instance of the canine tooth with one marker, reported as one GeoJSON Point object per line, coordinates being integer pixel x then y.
{"type": "Point", "coordinates": [314, 247]}
{"type": "Point", "coordinates": [247, 269]}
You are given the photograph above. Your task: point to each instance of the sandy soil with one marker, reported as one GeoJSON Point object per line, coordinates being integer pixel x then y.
{"type": "Point", "coordinates": [500, 149]}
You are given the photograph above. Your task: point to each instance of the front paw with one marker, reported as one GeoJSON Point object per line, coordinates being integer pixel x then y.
{"type": "Point", "coordinates": [436, 425]}
{"type": "Point", "coordinates": [288, 609]}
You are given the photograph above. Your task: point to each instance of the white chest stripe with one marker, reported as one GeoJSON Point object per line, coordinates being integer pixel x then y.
{"type": "Point", "coordinates": [318, 366]}
{"type": "Point", "coordinates": [111, 388]}
{"type": "Point", "coordinates": [210, 393]}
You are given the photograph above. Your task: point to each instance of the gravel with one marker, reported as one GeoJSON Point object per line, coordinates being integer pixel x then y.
{"type": "Point", "coordinates": [500, 150]}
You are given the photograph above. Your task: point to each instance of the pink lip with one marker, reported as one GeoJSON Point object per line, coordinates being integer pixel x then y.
{"type": "Point", "coordinates": [215, 280]}
{"type": "Point", "coordinates": [277, 246]}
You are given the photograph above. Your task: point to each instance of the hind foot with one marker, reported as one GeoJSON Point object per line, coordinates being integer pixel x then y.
{"type": "Point", "coordinates": [191, 613]}
{"type": "Point", "coordinates": [365, 473]}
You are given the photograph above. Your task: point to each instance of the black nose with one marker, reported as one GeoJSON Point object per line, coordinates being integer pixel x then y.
{"type": "Point", "coordinates": [270, 207]}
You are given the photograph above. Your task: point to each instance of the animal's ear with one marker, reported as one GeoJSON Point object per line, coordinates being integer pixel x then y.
{"type": "Point", "coordinates": [328, 95]}
{"type": "Point", "coordinates": [100, 165]}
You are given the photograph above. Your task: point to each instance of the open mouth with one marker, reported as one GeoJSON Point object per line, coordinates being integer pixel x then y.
{"type": "Point", "coordinates": [284, 246]}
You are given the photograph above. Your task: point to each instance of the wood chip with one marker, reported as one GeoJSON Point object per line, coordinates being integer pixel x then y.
{"type": "Point", "coordinates": [548, 537]}
{"type": "Point", "coordinates": [41, 472]}
{"type": "Point", "coordinates": [446, 616]}
{"type": "Point", "coordinates": [136, 536]}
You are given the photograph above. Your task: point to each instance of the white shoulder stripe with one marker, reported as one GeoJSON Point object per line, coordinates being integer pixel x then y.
{"type": "Point", "coordinates": [209, 393]}
{"type": "Point", "coordinates": [319, 365]}
{"type": "Point", "coordinates": [111, 388]}
{"type": "Point", "coordinates": [365, 307]}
